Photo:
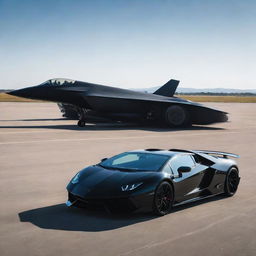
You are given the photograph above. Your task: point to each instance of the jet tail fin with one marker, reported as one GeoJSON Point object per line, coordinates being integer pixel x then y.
{"type": "Point", "coordinates": [168, 89]}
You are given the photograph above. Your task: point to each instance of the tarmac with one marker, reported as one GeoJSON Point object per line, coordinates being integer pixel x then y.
{"type": "Point", "coordinates": [40, 152]}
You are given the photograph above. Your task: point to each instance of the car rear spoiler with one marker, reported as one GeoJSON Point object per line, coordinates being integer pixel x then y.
{"type": "Point", "coordinates": [219, 153]}
{"type": "Point", "coordinates": [224, 154]}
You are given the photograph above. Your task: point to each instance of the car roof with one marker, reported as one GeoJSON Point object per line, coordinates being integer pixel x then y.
{"type": "Point", "coordinates": [157, 151]}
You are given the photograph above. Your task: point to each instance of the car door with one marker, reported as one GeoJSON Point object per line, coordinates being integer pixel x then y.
{"type": "Point", "coordinates": [186, 184]}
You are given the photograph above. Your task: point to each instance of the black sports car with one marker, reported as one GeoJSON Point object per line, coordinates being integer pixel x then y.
{"type": "Point", "coordinates": [154, 179]}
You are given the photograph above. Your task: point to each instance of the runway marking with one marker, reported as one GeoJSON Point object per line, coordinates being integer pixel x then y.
{"type": "Point", "coordinates": [34, 132]}
{"type": "Point", "coordinates": [151, 245]}
{"type": "Point", "coordinates": [117, 138]}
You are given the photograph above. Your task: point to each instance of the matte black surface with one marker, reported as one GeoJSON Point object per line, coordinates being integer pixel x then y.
{"type": "Point", "coordinates": [82, 100]}
{"type": "Point", "coordinates": [102, 187]}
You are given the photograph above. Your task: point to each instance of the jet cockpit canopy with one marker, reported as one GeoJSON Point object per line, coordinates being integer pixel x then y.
{"type": "Point", "coordinates": [58, 81]}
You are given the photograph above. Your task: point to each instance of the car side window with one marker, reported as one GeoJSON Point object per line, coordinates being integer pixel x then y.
{"type": "Point", "coordinates": [181, 160]}
{"type": "Point", "coordinates": [196, 159]}
{"type": "Point", "coordinates": [168, 169]}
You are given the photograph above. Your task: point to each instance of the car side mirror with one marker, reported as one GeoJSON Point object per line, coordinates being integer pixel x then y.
{"type": "Point", "coordinates": [103, 159]}
{"type": "Point", "coordinates": [183, 169]}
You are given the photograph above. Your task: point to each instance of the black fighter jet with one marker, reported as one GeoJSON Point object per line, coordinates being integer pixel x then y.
{"type": "Point", "coordinates": [98, 101]}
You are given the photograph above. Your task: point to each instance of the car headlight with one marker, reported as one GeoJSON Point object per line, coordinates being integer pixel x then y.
{"type": "Point", "coordinates": [130, 187]}
{"type": "Point", "coordinates": [76, 178]}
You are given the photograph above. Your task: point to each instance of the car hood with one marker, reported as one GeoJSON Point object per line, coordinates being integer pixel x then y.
{"type": "Point", "coordinates": [96, 181]}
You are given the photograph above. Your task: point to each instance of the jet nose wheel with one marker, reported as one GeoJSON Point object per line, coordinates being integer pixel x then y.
{"type": "Point", "coordinates": [81, 123]}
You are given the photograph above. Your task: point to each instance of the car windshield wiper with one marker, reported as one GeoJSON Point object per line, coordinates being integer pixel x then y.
{"type": "Point", "coordinates": [133, 170]}
{"type": "Point", "coordinates": [124, 169]}
{"type": "Point", "coordinates": [108, 167]}
{"type": "Point", "coordinates": [115, 168]}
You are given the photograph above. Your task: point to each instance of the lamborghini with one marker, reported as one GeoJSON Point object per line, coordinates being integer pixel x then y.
{"type": "Point", "coordinates": [154, 179]}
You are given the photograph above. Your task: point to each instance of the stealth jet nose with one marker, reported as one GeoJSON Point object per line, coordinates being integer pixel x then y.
{"type": "Point", "coordinates": [51, 90]}
{"type": "Point", "coordinates": [34, 92]}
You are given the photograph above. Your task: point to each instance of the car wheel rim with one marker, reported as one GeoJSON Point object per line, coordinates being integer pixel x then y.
{"type": "Point", "coordinates": [233, 181]}
{"type": "Point", "coordinates": [164, 198]}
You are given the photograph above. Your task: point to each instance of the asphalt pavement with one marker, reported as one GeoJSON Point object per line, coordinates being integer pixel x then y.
{"type": "Point", "coordinates": [40, 152]}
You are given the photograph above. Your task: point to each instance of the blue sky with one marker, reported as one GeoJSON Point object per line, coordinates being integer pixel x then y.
{"type": "Point", "coordinates": [135, 43]}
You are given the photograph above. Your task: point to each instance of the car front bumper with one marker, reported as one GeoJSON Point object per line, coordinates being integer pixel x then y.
{"type": "Point", "coordinates": [130, 204]}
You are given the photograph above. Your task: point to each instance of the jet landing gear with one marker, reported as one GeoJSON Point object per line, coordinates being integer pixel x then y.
{"type": "Point", "coordinates": [81, 123]}
{"type": "Point", "coordinates": [82, 117]}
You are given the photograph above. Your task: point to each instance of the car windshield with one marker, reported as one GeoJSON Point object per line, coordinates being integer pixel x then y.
{"type": "Point", "coordinates": [135, 161]}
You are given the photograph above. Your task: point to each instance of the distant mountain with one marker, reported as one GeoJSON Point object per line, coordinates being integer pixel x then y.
{"type": "Point", "coordinates": [206, 90]}
{"type": "Point", "coordinates": [4, 90]}
{"type": "Point", "coordinates": [215, 90]}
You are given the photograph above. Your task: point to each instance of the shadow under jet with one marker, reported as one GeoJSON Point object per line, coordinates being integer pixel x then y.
{"type": "Point", "coordinates": [112, 127]}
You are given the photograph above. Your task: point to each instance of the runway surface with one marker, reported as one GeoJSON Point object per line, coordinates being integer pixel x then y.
{"type": "Point", "coordinates": [40, 152]}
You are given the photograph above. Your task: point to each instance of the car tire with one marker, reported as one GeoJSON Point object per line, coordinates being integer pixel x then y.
{"type": "Point", "coordinates": [232, 181]}
{"type": "Point", "coordinates": [163, 199]}
{"type": "Point", "coordinates": [176, 116]}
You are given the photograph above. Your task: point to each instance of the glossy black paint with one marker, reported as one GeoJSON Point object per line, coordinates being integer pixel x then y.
{"type": "Point", "coordinates": [102, 186]}
{"type": "Point", "coordinates": [118, 104]}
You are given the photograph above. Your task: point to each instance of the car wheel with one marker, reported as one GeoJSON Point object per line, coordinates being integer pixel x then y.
{"type": "Point", "coordinates": [232, 181]}
{"type": "Point", "coordinates": [176, 116]}
{"type": "Point", "coordinates": [81, 123]}
{"type": "Point", "coordinates": [163, 199]}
